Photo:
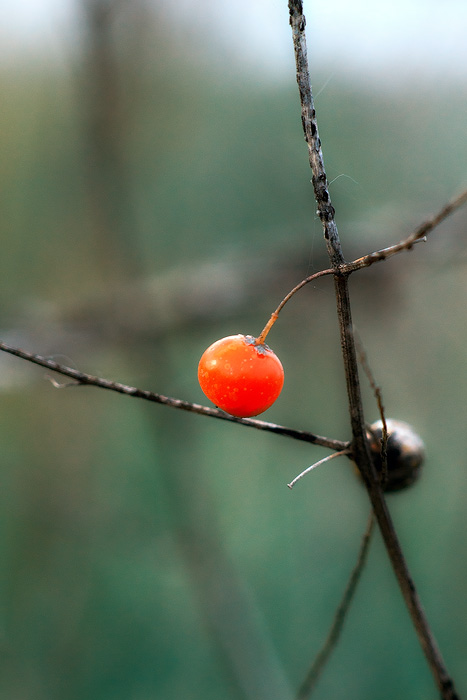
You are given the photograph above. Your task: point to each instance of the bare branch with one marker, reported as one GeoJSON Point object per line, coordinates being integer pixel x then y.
{"type": "Point", "coordinates": [379, 400]}
{"type": "Point", "coordinates": [418, 235]}
{"type": "Point", "coordinates": [335, 631]}
{"type": "Point", "coordinates": [360, 448]}
{"type": "Point", "coordinates": [310, 129]}
{"type": "Point", "coordinates": [81, 378]}
{"type": "Point", "coordinates": [344, 268]}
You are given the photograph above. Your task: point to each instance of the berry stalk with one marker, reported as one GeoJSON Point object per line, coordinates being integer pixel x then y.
{"type": "Point", "coordinates": [273, 318]}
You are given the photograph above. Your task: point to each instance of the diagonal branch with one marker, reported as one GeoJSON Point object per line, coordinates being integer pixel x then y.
{"type": "Point", "coordinates": [418, 235]}
{"type": "Point", "coordinates": [81, 378]}
{"type": "Point", "coordinates": [311, 679]}
{"type": "Point", "coordinates": [360, 447]}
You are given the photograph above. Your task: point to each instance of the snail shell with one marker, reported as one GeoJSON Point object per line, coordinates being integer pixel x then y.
{"type": "Point", "coordinates": [405, 453]}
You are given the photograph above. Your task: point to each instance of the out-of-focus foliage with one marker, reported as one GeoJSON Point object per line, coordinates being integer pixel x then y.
{"type": "Point", "coordinates": [151, 554]}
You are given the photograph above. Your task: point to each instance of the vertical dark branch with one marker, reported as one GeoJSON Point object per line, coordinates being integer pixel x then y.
{"type": "Point", "coordinates": [326, 214]}
{"type": "Point", "coordinates": [310, 128]}
{"type": "Point", "coordinates": [360, 447]}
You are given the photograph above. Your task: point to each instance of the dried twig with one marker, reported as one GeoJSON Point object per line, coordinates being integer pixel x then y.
{"type": "Point", "coordinates": [341, 453]}
{"type": "Point", "coordinates": [407, 244]}
{"type": "Point", "coordinates": [360, 447]}
{"type": "Point", "coordinates": [346, 268]}
{"type": "Point", "coordinates": [81, 378]}
{"type": "Point", "coordinates": [379, 400]}
{"type": "Point", "coordinates": [330, 643]}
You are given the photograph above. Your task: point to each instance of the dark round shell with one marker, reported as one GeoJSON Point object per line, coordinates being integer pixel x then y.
{"type": "Point", "coordinates": [405, 453]}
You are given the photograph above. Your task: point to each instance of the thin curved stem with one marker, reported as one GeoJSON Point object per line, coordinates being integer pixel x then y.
{"type": "Point", "coordinates": [341, 453]}
{"type": "Point", "coordinates": [274, 316]}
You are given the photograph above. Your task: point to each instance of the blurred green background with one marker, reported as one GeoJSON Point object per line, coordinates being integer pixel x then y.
{"type": "Point", "coordinates": [155, 196]}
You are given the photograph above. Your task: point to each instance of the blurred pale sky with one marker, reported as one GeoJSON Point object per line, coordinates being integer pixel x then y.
{"type": "Point", "coordinates": [414, 37]}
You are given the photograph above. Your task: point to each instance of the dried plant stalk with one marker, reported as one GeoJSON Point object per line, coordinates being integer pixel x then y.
{"type": "Point", "coordinates": [360, 447]}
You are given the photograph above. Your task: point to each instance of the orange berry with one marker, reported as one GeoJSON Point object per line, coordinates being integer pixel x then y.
{"type": "Point", "coordinates": [240, 377]}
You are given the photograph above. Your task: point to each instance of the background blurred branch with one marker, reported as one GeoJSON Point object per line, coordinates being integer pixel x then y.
{"type": "Point", "coordinates": [322, 657]}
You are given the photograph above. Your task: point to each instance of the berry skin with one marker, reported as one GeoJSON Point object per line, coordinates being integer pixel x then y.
{"type": "Point", "coordinates": [240, 377]}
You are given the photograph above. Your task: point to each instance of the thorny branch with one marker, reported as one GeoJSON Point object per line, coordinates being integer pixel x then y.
{"type": "Point", "coordinates": [360, 449]}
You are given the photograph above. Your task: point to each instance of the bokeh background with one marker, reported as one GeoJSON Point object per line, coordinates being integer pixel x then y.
{"type": "Point", "coordinates": [155, 196]}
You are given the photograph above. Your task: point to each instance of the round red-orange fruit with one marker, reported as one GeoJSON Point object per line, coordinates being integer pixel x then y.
{"type": "Point", "coordinates": [240, 377]}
